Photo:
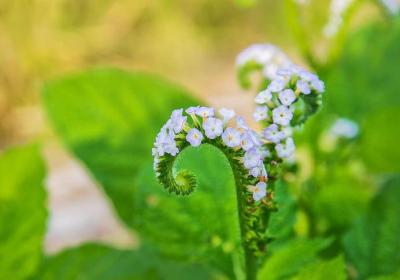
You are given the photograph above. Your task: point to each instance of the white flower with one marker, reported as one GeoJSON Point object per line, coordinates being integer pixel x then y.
{"type": "Point", "coordinates": [194, 137]}
{"type": "Point", "coordinates": [205, 112]}
{"type": "Point", "coordinates": [282, 115]}
{"type": "Point", "coordinates": [307, 76]}
{"type": "Point", "coordinates": [213, 127]}
{"type": "Point", "coordinates": [268, 56]}
{"type": "Point", "coordinates": [287, 131]}
{"type": "Point", "coordinates": [258, 171]}
{"type": "Point", "coordinates": [192, 110]}
{"type": "Point", "coordinates": [277, 85]}
{"type": "Point", "coordinates": [227, 114]}
{"type": "Point", "coordinates": [249, 139]}
{"type": "Point", "coordinates": [241, 123]}
{"type": "Point", "coordinates": [261, 113]}
{"type": "Point", "coordinates": [344, 128]}
{"type": "Point", "coordinates": [252, 158]}
{"type": "Point", "coordinates": [303, 87]}
{"type": "Point", "coordinates": [177, 121]}
{"type": "Point", "coordinates": [287, 149]}
{"type": "Point", "coordinates": [259, 191]}
{"type": "Point", "coordinates": [318, 85]}
{"type": "Point", "coordinates": [231, 137]}
{"type": "Point", "coordinates": [165, 143]}
{"type": "Point", "coordinates": [155, 163]}
{"type": "Point", "coordinates": [263, 97]}
{"type": "Point", "coordinates": [287, 97]}
{"type": "Point", "coordinates": [272, 133]}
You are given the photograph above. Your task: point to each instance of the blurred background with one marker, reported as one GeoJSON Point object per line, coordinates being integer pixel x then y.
{"type": "Point", "coordinates": [191, 42]}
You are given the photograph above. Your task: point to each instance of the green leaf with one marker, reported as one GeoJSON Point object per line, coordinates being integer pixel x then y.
{"type": "Point", "coordinates": [22, 211]}
{"type": "Point", "coordinates": [394, 276]}
{"type": "Point", "coordinates": [109, 119]}
{"type": "Point", "coordinates": [202, 226]}
{"type": "Point", "coordinates": [372, 245]}
{"type": "Point", "coordinates": [289, 258]}
{"type": "Point", "coordinates": [364, 87]}
{"type": "Point", "coordinates": [281, 222]}
{"type": "Point", "coordinates": [334, 269]}
{"type": "Point", "coordinates": [94, 261]}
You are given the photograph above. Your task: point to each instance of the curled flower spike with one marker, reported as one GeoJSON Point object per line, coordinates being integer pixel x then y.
{"type": "Point", "coordinates": [292, 95]}
{"type": "Point", "coordinates": [240, 144]}
{"type": "Point", "coordinates": [244, 149]}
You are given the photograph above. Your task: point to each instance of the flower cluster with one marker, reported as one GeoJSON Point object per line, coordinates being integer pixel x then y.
{"type": "Point", "coordinates": [278, 103]}
{"type": "Point", "coordinates": [197, 125]}
{"type": "Point", "coordinates": [267, 56]}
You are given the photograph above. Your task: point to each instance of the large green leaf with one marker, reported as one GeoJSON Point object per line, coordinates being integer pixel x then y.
{"type": "Point", "coordinates": [334, 269]}
{"type": "Point", "coordinates": [109, 119]}
{"type": "Point", "coordinates": [22, 211]}
{"type": "Point", "coordinates": [288, 259]}
{"type": "Point", "coordinates": [372, 245]}
{"type": "Point", "coordinates": [94, 261]}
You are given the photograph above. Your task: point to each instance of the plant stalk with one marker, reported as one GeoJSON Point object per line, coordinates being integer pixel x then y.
{"type": "Point", "coordinates": [251, 259]}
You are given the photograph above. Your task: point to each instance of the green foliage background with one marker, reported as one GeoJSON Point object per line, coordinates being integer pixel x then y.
{"type": "Point", "coordinates": [338, 212]}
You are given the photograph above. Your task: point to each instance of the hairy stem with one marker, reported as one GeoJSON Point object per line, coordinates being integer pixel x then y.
{"type": "Point", "coordinates": [250, 258]}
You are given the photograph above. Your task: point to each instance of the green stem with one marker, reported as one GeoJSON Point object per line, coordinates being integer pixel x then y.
{"type": "Point", "coordinates": [251, 260]}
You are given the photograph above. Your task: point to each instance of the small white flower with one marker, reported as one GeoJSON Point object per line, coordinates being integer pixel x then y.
{"type": "Point", "coordinates": [165, 143]}
{"type": "Point", "coordinates": [259, 191]}
{"type": "Point", "coordinates": [261, 113]}
{"type": "Point", "coordinates": [277, 85]}
{"type": "Point", "coordinates": [268, 56]}
{"type": "Point", "coordinates": [318, 85]}
{"type": "Point", "coordinates": [282, 115]}
{"type": "Point", "coordinates": [307, 76]}
{"type": "Point", "coordinates": [231, 137]}
{"type": "Point", "coordinates": [241, 123]}
{"type": "Point", "coordinates": [227, 114]}
{"type": "Point", "coordinates": [249, 139]}
{"type": "Point", "coordinates": [252, 158]}
{"type": "Point", "coordinates": [263, 97]}
{"type": "Point", "coordinates": [287, 97]}
{"type": "Point", "coordinates": [344, 128]}
{"type": "Point", "coordinates": [192, 110]}
{"type": "Point", "coordinates": [258, 171]}
{"type": "Point", "coordinates": [287, 131]}
{"type": "Point", "coordinates": [205, 112]}
{"type": "Point", "coordinates": [194, 137]}
{"type": "Point", "coordinates": [287, 149]}
{"type": "Point", "coordinates": [272, 133]}
{"type": "Point", "coordinates": [213, 127]}
{"type": "Point", "coordinates": [177, 121]}
{"type": "Point", "coordinates": [303, 87]}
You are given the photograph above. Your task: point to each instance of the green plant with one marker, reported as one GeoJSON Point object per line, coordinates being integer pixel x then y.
{"type": "Point", "coordinates": [333, 212]}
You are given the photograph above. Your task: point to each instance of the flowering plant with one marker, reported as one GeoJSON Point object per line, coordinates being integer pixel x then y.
{"type": "Point", "coordinates": [291, 96]}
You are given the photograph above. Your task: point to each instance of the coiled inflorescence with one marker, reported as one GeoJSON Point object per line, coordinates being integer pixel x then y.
{"type": "Point", "coordinates": [290, 95]}
{"type": "Point", "coordinates": [197, 125]}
